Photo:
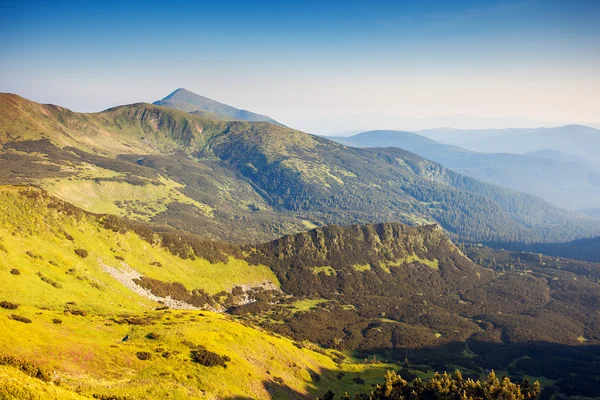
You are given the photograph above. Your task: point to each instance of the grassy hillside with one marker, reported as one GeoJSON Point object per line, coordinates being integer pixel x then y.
{"type": "Point", "coordinates": [73, 289]}
{"type": "Point", "coordinates": [68, 314]}
{"type": "Point", "coordinates": [252, 182]}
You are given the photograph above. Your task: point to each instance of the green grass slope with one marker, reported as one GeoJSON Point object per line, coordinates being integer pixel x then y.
{"type": "Point", "coordinates": [68, 315]}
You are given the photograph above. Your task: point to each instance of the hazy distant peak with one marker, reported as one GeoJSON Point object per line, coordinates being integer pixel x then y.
{"type": "Point", "coordinates": [185, 100]}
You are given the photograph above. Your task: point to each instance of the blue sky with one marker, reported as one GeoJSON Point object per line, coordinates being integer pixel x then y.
{"type": "Point", "coordinates": [320, 66]}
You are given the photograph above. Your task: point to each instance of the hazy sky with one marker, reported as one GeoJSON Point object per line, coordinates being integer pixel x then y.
{"type": "Point", "coordinates": [320, 66]}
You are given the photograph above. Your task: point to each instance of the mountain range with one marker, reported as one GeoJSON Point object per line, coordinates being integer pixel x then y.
{"type": "Point", "coordinates": [197, 255]}
{"type": "Point", "coordinates": [208, 176]}
{"type": "Point", "coordinates": [578, 140]}
{"type": "Point", "coordinates": [562, 179]}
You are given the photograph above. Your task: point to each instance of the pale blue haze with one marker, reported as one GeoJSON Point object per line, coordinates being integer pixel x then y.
{"type": "Point", "coordinates": [318, 66]}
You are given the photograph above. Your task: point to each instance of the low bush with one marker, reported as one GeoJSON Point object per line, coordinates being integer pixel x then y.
{"type": "Point", "coordinates": [15, 271]}
{"type": "Point", "coordinates": [20, 318]}
{"type": "Point", "coordinates": [208, 358]}
{"type": "Point", "coordinates": [83, 253]}
{"type": "Point", "coordinates": [76, 311]}
{"type": "Point", "coordinates": [153, 336]}
{"type": "Point", "coordinates": [57, 321]}
{"type": "Point", "coordinates": [34, 255]}
{"type": "Point", "coordinates": [101, 396]}
{"type": "Point", "coordinates": [8, 305]}
{"type": "Point", "coordinates": [144, 355]}
{"type": "Point", "coordinates": [49, 281]}
{"type": "Point", "coordinates": [27, 367]}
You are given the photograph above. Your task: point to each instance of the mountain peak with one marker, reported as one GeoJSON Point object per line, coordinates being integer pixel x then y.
{"type": "Point", "coordinates": [185, 100]}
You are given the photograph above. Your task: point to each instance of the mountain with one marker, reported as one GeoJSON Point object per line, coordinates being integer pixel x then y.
{"type": "Point", "coordinates": [408, 293]}
{"type": "Point", "coordinates": [76, 314]}
{"type": "Point", "coordinates": [579, 140]}
{"type": "Point", "coordinates": [184, 100]}
{"type": "Point", "coordinates": [564, 180]}
{"type": "Point", "coordinates": [582, 249]}
{"type": "Point", "coordinates": [88, 299]}
{"type": "Point", "coordinates": [562, 156]}
{"type": "Point", "coordinates": [250, 182]}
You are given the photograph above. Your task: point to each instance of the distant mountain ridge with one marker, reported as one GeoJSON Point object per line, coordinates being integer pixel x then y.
{"type": "Point", "coordinates": [562, 179]}
{"type": "Point", "coordinates": [579, 140]}
{"type": "Point", "coordinates": [184, 100]}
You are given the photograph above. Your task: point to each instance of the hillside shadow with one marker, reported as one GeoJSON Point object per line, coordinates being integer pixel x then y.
{"type": "Point", "coordinates": [560, 369]}
{"type": "Point", "coordinates": [569, 370]}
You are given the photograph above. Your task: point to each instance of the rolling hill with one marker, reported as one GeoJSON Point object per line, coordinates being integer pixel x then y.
{"type": "Point", "coordinates": [184, 100]}
{"type": "Point", "coordinates": [251, 182]}
{"type": "Point", "coordinates": [77, 321]}
{"type": "Point", "coordinates": [563, 180]}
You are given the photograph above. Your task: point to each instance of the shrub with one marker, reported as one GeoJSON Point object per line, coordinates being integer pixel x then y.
{"type": "Point", "coordinates": [143, 355]}
{"type": "Point", "coordinates": [102, 396]}
{"type": "Point", "coordinates": [33, 255]}
{"type": "Point", "coordinates": [278, 380]}
{"type": "Point", "coordinates": [49, 280]}
{"type": "Point", "coordinates": [20, 318]}
{"type": "Point", "coordinates": [8, 305]}
{"type": "Point", "coordinates": [208, 358]}
{"type": "Point", "coordinates": [27, 367]}
{"type": "Point", "coordinates": [119, 258]}
{"type": "Point", "coordinates": [76, 311]}
{"type": "Point", "coordinates": [153, 336]}
{"type": "Point", "coordinates": [83, 253]}
{"type": "Point", "coordinates": [57, 321]}
{"type": "Point", "coordinates": [15, 271]}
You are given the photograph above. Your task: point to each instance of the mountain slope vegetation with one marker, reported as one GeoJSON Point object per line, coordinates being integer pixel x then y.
{"type": "Point", "coordinates": [387, 292]}
{"type": "Point", "coordinates": [71, 305]}
{"type": "Point", "coordinates": [207, 176]}
{"type": "Point", "coordinates": [564, 181]}
{"type": "Point", "coordinates": [392, 292]}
